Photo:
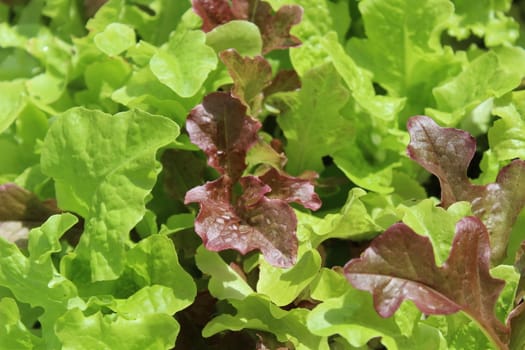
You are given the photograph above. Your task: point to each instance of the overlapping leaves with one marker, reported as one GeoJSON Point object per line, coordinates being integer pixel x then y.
{"type": "Point", "coordinates": [258, 218]}
{"type": "Point", "coordinates": [446, 153]}
{"type": "Point", "coordinates": [400, 265]}
{"type": "Point", "coordinates": [274, 26]}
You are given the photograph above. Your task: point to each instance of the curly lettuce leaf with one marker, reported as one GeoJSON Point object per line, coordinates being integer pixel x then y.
{"type": "Point", "coordinates": [252, 222]}
{"type": "Point", "coordinates": [403, 50]}
{"type": "Point", "coordinates": [184, 64]}
{"type": "Point", "coordinates": [257, 312]}
{"type": "Point", "coordinates": [400, 265]}
{"type": "Point", "coordinates": [311, 119]}
{"type": "Point", "coordinates": [13, 334]}
{"type": "Point", "coordinates": [352, 317]}
{"type": "Point", "coordinates": [104, 166]}
{"type": "Point", "coordinates": [436, 223]}
{"type": "Point", "coordinates": [115, 39]}
{"type": "Point", "coordinates": [35, 280]}
{"type": "Point", "coordinates": [153, 331]}
{"type": "Point", "coordinates": [485, 19]}
{"type": "Point", "coordinates": [472, 86]}
{"type": "Point", "coordinates": [446, 153]}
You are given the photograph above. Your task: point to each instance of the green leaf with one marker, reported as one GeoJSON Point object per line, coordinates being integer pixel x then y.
{"type": "Point", "coordinates": [185, 63]}
{"type": "Point", "coordinates": [482, 78]}
{"type": "Point", "coordinates": [115, 39]}
{"type": "Point", "coordinates": [144, 91]}
{"type": "Point", "coordinates": [12, 101]}
{"type": "Point", "coordinates": [35, 280]}
{"type": "Point", "coordinates": [242, 36]}
{"type": "Point", "coordinates": [154, 261]}
{"type": "Point", "coordinates": [312, 122]}
{"type": "Point", "coordinates": [225, 282]}
{"type": "Point", "coordinates": [507, 134]}
{"type": "Point", "coordinates": [256, 312]}
{"type": "Point", "coordinates": [282, 286]}
{"type": "Point", "coordinates": [104, 166]}
{"type": "Point", "coordinates": [403, 49]}
{"type": "Point", "coordinates": [438, 224]}
{"type": "Point", "coordinates": [319, 18]}
{"type": "Point", "coordinates": [506, 299]}
{"type": "Point", "coordinates": [328, 284]}
{"type": "Point", "coordinates": [107, 332]}
{"type": "Point", "coordinates": [351, 316]}
{"type": "Point", "coordinates": [13, 334]}
{"type": "Point", "coordinates": [485, 19]}
{"type": "Point", "coordinates": [352, 222]}
{"type": "Point", "coordinates": [460, 332]}
{"type": "Point", "coordinates": [66, 18]}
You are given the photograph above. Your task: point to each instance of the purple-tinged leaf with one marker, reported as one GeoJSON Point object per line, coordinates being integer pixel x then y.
{"type": "Point", "coordinates": [446, 153]}
{"type": "Point", "coordinates": [252, 222]}
{"type": "Point", "coordinates": [400, 265]}
{"type": "Point", "coordinates": [220, 127]}
{"type": "Point", "coordinates": [250, 76]}
{"type": "Point", "coordinates": [291, 189]}
{"type": "Point", "coordinates": [274, 26]}
{"type": "Point", "coordinates": [212, 12]}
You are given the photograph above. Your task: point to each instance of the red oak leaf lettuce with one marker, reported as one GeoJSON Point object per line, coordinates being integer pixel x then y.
{"type": "Point", "coordinates": [259, 217]}
{"type": "Point", "coordinates": [274, 26]}
{"type": "Point", "coordinates": [291, 189]}
{"type": "Point", "coordinates": [253, 221]}
{"type": "Point", "coordinates": [400, 264]}
{"type": "Point", "coordinates": [446, 153]}
{"type": "Point", "coordinates": [221, 128]}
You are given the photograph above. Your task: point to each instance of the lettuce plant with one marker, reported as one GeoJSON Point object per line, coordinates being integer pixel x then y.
{"type": "Point", "coordinates": [262, 174]}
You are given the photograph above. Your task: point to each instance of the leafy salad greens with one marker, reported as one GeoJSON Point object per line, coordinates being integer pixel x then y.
{"type": "Point", "coordinates": [262, 174]}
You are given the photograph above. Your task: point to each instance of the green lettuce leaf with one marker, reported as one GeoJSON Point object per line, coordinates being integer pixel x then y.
{"type": "Point", "coordinates": [403, 50]}
{"type": "Point", "coordinates": [311, 120]}
{"type": "Point", "coordinates": [103, 167]}
{"type": "Point", "coordinates": [257, 312]}
{"type": "Point", "coordinates": [13, 334]}
{"type": "Point", "coordinates": [151, 331]}
{"type": "Point", "coordinates": [34, 280]}
{"type": "Point", "coordinates": [184, 64]}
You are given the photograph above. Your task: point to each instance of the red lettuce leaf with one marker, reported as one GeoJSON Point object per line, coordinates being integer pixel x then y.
{"type": "Point", "coordinates": [400, 264]}
{"type": "Point", "coordinates": [274, 26]}
{"type": "Point", "coordinates": [250, 76]}
{"type": "Point", "coordinates": [446, 153]}
{"type": "Point", "coordinates": [291, 189]}
{"type": "Point", "coordinates": [220, 127]}
{"type": "Point", "coordinates": [213, 13]}
{"type": "Point", "coordinates": [251, 222]}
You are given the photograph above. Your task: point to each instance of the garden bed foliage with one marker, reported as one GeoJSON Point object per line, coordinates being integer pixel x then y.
{"type": "Point", "coordinates": [249, 174]}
